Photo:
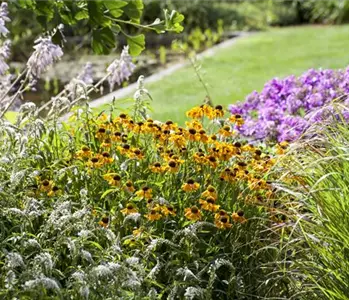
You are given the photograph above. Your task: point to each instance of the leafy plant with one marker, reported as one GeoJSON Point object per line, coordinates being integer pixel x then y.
{"type": "Point", "coordinates": [102, 19]}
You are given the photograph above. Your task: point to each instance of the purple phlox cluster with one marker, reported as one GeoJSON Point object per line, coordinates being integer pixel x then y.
{"type": "Point", "coordinates": [120, 69]}
{"type": "Point", "coordinates": [3, 19]}
{"type": "Point", "coordinates": [285, 108]}
{"type": "Point", "coordinates": [45, 54]}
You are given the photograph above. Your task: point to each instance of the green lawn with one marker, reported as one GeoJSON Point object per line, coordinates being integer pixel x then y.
{"type": "Point", "coordinates": [236, 71]}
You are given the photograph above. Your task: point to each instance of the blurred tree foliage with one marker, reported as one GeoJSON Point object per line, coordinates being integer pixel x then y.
{"type": "Point", "coordinates": [99, 21]}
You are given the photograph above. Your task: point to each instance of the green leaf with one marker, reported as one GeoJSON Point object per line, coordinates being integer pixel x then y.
{"type": "Point", "coordinates": [81, 15]}
{"type": "Point", "coordinates": [134, 9]}
{"type": "Point", "coordinates": [95, 12]}
{"type": "Point", "coordinates": [103, 41]}
{"type": "Point", "coordinates": [114, 7]}
{"type": "Point", "coordinates": [173, 21]}
{"type": "Point", "coordinates": [136, 43]}
{"type": "Point", "coordinates": [107, 192]}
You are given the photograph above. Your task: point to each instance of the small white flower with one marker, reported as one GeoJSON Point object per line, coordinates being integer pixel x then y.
{"type": "Point", "coordinates": [14, 260]}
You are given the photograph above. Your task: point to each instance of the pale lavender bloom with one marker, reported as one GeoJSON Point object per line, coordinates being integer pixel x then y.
{"type": "Point", "coordinates": [86, 75]}
{"type": "Point", "coordinates": [120, 69]}
{"type": "Point", "coordinates": [4, 18]}
{"type": "Point", "coordinates": [45, 54]}
{"type": "Point", "coordinates": [5, 52]}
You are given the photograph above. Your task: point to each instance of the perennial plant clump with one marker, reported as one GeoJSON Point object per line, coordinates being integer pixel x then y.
{"type": "Point", "coordinates": [285, 108]}
{"type": "Point", "coordinates": [118, 206]}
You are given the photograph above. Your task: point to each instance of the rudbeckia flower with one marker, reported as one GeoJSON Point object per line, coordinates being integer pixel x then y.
{"type": "Point", "coordinates": [210, 192]}
{"type": "Point", "coordinates": [129, 187]}
{"type": "Point", "coordinates": [223, 222]}
{"type": "Point", "coordinates": [84, 152]}
{"type": "Point", "coordinates": [192, 213]}
{"type": "Point", "coordinates": [209, 204]}
{"type": "Point", "coordinates": [145, 192]}
{"type": "Point", "coordinates": [190, 186]}
{"type": "Point", "coordinates": [153, 215]}
{"type": "Point", "coordinates": [129, 209]}
{"type": "Point", "coordinates": [239, 217]}
{"type": "Point", "coordinates": [113, 179]}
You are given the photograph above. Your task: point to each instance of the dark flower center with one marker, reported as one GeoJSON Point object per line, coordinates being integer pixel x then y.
{"type": "Point", "coordinates": [101, 130]}
{"type": "Point", "coordinates": [224, 219]}
{"type": "Point", "coordinates": [190, 181]}
{"type": "Point", "coordinates": [194, 210]}
{"type": "Point", "coordinates": [240, 213]}
{"type": "Point", "coordinates": [192, 131]}
{"type": "Point", "coordinates": [117, 178]}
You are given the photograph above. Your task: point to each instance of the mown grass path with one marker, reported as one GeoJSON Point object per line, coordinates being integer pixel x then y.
{"type": "Point", "coordinates": [234, 72]}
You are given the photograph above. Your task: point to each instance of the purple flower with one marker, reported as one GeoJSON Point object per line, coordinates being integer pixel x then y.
{"type": "Point", "coordinates": [3, 19]}
{"type": "Point", "coordinates": [285, 108]}
{"type": "Point", "coordinates": [121, 69]}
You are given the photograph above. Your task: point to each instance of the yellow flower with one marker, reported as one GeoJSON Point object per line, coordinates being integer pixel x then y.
{"type": "Point", "coordinates": [122, 119]}
{"type": "Point", "coordinates": [54, 191]}
{"type": "Point", "coordinates": [84, 152]}
{"type": "Point", "coordinates": [178, 140]}
{"type": "Point", "coordinates": [136, 153]}
{"type": "Point", "coordinates": [228, 175]}
{"type": "Point", "coordinates": [239, 217]}
{"type": "Point", "coordinates": [124, 149]}
{"type": "Point", "coordinates": [281, 148]}
{"type": "Point", "coordinates": [194, 124]}
{"type": "Point", "coordinates": [223, 222]}
{"type": "Point", "coordinates": [190, 186]}
{"type": "Point", "coordinates": [138, 231]}
{"type": "Point", "coordinates": [107, 159]}
{"type": "Point", "coordinates": [129, 209]}
{"type": "Point", "coordinates": [226, 131]}
{"type": "Point", "coordinates": [157, 168]}
{"type": "Point", "coordinates": [145, 192]}
{"type": "Point", "coordinates": [101, 132]}
{"type": "Point", "coordinates": [220, 214]}
{"type": "Point", "coordinates": [195, 113]}
{"type": "Point", "coordinates": [210, 192]}
{"type": "Point", "coordinates": [46, 185]}
{"type": "Point", "coordinates": [153, 215]}
{"type": "Point", "coordinates": [117, 136]}
{"type": "Point", "coordinates": [129, 187]}
{"type": "Point", "coordinates": [173, 166]}
{"type": "Point", "coordinates": [193, 135]}
{"type": "Point", "coordinates": [113, 179]}
{"type": "Point", "coordinates": [212, 161]}
{"type": "Point", "coordinates": [199, 157]}
{"type": "Point", "coordinates": [106, 143]}
{"type": "Point", "coordinates": [192, 213]}
{"type": "Point", "coordinates": [217, 112]}
{"type": "Point", "coordinates": [209, 204]}
{"type": "Point", "coordinates": [104, 222]}
{"type": "Point", "coordinates": [169, 125]}
{"type": "Point", "coordinates": [203, 136]}
{"type": "Point", "coordinates": [168, 210]}
{"type": "Point", "coordinates": [95, 161]}
{"type": "Point", "coordinates": [237, 119]}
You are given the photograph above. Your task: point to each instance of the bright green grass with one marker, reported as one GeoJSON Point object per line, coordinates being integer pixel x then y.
{"type": "Point", "coordinates": [248, 64]}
